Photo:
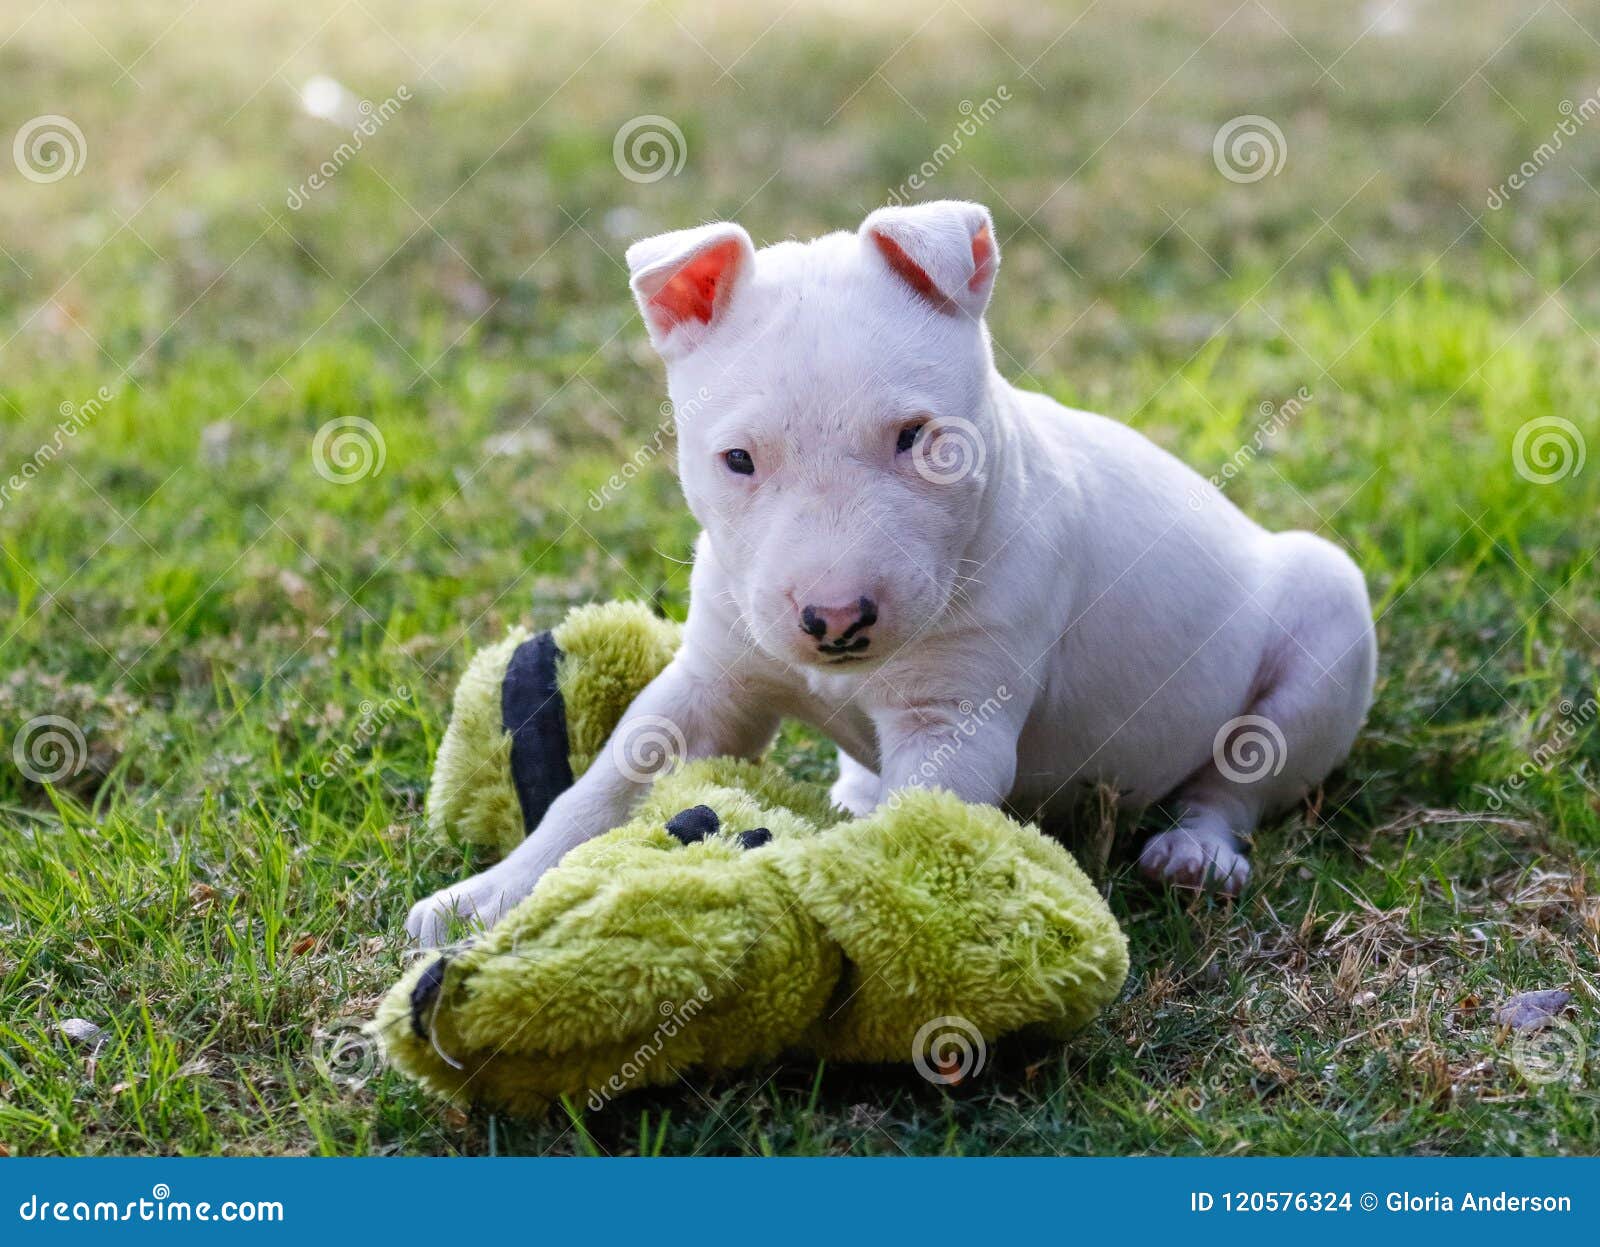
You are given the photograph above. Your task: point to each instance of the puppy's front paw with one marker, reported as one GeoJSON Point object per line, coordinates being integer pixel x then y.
{"type": "Point", "coordinates": [479, 901]}
{"type": "Point", "coordinates": [855, 792]}
{"type": "Point", "coordinates": [1203, 860]}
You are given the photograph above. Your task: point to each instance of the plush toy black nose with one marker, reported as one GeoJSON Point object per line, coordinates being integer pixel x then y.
{"type": "Point", "coordinates": [839, 629]}
{"type": "Point", "coordinates": [754, 838]}
{"type": "Point", "coordinates": [694, 824]}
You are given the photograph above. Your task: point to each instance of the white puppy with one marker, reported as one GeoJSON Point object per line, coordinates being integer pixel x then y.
{"type": "Point", "coordinates": [965, 585]}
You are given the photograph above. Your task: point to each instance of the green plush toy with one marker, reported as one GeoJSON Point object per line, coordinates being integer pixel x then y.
{"type": "Point", "coordinates": [737, 916]}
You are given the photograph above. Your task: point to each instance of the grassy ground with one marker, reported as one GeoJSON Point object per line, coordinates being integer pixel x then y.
{"type": "Point", "coordinates": [257, 659]}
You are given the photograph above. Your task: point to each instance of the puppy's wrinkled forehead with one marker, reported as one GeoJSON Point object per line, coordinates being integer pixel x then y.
{"type": "Point", "coordinates": [824, 328]}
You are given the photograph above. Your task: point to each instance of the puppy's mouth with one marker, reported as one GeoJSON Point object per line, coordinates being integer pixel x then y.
{"type": "Point", "coordinates": [853, 664]}
{"type": "Point", "coordinates": [857, 657]}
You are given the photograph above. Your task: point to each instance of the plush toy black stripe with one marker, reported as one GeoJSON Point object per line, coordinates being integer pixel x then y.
{"type": "Point", "coordinates": [423, 995]}
{"type": "Point", "coordinates": [531, 709]}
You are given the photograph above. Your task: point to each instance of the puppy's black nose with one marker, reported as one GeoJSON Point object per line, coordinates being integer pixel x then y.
{"type": "Point", "coordinates": [838, 629]}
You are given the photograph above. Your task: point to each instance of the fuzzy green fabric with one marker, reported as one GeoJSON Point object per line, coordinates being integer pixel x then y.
{"type": "Point", "coordinates": [640, 955]}
{"type": "Point", "coordinates": [1009, 933]}
{"type": "Point", "coordinates": [609, 652]}
{"type": "Point", "coordinates": [472, 796]}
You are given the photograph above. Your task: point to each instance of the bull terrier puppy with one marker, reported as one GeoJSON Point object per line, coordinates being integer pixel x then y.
{"type": "Point", "coordinates": [963, 584]}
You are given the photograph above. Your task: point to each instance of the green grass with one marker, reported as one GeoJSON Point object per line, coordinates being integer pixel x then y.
{"type": "Point", "coordinates": [259, 660]}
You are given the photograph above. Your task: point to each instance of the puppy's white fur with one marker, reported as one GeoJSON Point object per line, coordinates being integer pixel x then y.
{"type": "Point", "coordinates": [1058, 601]}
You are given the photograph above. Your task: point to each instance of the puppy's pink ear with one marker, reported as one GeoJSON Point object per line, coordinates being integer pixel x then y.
{"type": "Point", "coordinates": [685, 280]}
{"type": "Point", "coordinates": [944, 251]}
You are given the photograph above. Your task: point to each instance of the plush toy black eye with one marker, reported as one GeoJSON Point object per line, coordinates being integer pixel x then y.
{"type": "Point", "coordinates": [739, 461]}
{"type": "Point", "coordinates": [693, 825]}
{"type": "Point", "coordinates": [908, 437]}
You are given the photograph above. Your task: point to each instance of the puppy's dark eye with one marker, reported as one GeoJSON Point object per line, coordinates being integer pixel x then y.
{"type": "Point", "coordinates": [739, 461]}
{"type": "Point", "coordinates": [908, 437]}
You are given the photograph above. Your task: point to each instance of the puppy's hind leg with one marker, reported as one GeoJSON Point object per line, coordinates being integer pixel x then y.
{"type": "Point", "coordinates": [1313, 690]}
{"type": "Point", "coordinates": [1203, 851]}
